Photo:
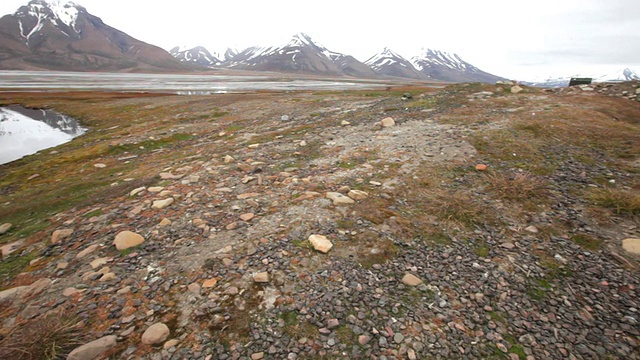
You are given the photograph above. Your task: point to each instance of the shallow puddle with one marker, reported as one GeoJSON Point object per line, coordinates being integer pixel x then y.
{"type": "Point", "coordinates": [26, 131]}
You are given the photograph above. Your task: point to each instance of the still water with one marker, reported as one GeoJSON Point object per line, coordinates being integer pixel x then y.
{"type": "Point", "coordinates": [27, 131]}
{"type": "Point", "coordinates": [174, 83]}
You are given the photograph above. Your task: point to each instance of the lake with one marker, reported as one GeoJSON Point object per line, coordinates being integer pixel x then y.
{"type": "Point", "coordinates": [171, 83]}
{"type": "Point", "coordinates": [27, 131]}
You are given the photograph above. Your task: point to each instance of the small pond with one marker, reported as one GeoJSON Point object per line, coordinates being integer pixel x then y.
{"type": "Point", "coordinates": [26, 131]}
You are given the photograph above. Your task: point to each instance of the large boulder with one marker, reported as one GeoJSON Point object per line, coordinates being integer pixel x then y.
{"type": "Point", "coordinates": [155, 334]}
{"type": "Point", "coordinates": [93, 349]}
{"type": "Point", "coordinates": [127, 239]}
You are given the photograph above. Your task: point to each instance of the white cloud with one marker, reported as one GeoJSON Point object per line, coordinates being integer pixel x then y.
{"type": "Point", "coordinates": [515, 39]}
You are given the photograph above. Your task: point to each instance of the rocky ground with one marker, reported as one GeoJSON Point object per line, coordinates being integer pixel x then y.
{"type": "Point", "coordinates": [477, 221]}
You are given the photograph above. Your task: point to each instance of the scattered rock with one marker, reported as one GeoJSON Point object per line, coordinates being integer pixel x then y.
{"type": "Point", "coordinates": [60, 235]}
{"type": "Point", "coordinates": [87, 251]}
{"type": "Point", "coordinates": [127, 239]}
{"type": "Point", "coordinates": [94, 349]}
{"type": "Point", "coordinates": [387, 122]}
{"type": "Point", "coordinates": [137, 191]}
{"type": "Point", "coordinates": [161, 204]}
{"type": "Point", "coordinates": [229, 159]}
{"type": "Point", "coordinates": [100, 165]}
{"type": "Point", "coordinates": [194, 288]}
{"type": "Point", "coordinates": [209, 283]}
{"type": "Point", "coordinates": [4, 228]}
{"type": "Point", "coordinates": [320, 243]}
{"type": "Point", "coordinates": [481, 167]}
{"type": "Point", "coordinates": [11, 248]}
{"type": "Point", "coordinates": [516, 89]}
{"type": "Point", "coordinates": [285, 118]}
{"type": "Point", "coordinates": [164, 222]}
{"type": "Point", "coordinates": [631, 245]}
{"type": "Point", "coordinates": [532, 229]}
{"type": "Point", "coordinates": [68, 292]}
{"type": "Point", "coordinates": [358, 194]}
{"type": "Point", "coordinates": [257, 356]}
{"type": "Point", "coordinates": [247, 217]}
{"type": "Point", "coordinates": [155, 189]}
{"type": "Point", "coordinates": [261, 277]}
{"type": "Point", "coordinates": [171, 343]}
{"type": "Point", "coordinates": [333, 324]}
{"type": "Point", "coordinates": [339, 199]}
{"type": "Point", "coordinates": [98, 262]}
{"type": "Point", "coordinates": [155, 334]}
{"type": "Point", "coordinates": [411, 280]}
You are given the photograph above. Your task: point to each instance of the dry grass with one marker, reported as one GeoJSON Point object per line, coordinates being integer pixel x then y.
{"type": "Point", "coordinates": [621, 202]}
{"type": "Point", "coordinates": [519, 186]}
{"type": "Point", "coordinates": [48, 338]}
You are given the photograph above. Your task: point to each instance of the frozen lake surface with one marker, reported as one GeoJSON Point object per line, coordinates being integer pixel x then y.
{"type": "Point", "coordinates": [173, 83]}
{"type": "Point", "coordinates": [27, 131]}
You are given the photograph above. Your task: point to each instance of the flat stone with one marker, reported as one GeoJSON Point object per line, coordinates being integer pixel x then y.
{"type": "Point", "coordinates": [247, 196]}
{"type": "Point", "coordinates": [247, 216]}
{"type": "Point", "coordinates": [161, 204]}
{"type": "Point", "coordinates": [60, 235]}
{"type": "Point", "coordinates": [532, 229]}
{"type": "Point", "coordinates": [99, 262]}
{"type": "Point", "coordinates": [70, 292]}
{"type": "Point", "coordinates": [229, 159]}
{"type": "Point", "coordinates": [257, 356]}
{"type": "Point", "coordinates": [171, 343]}
{"type": "Point", "coordinates": [339, 199]}
{"type": "Point", "coordinates": [11, 294]}
{"type": "Point", "coordinates": [631, 245]}
{"type": "Point", "coordinates": [125, 290]}
{"type": "Point", "coordinates": [194, 288]}
{"type": "Point", "coordinates": [481, 167]}
{"type": "Point", "coordinates": [94, 349]}
{"type": "Point", "coordinates": [4, 228]}
{"type": "Point", "coordinates": [333, 324]}
{"type": "Point", "coordinates": [164, 222]}
{"type": "Point", "coordinates": [364, 339]}
{"type": "Point", "coordinates": [87, 251]}
{"type": "Point", "coordinates": [155, 334]}
{"type": "Point", "coordinates": [127, 239]}
{"type": "Point", "coordinates": [9, 249]}
{"type": "Point", "coordinates": [320, 243]}
{"type": "Point", "coordinates": [170, 176]}
{"type": "Point", "coordinates": [100, 165]}
{"type": "Point", "coordinates": [62, 265]}
{"type": "Point", "coordinates": [507, 245]}
{"type": "Point", "coordinates": [358, 194]}
{"type": "Point", "coordinates": [411, 280]}
{"type": "Point", "coordinates": [155, 189]}
{"type": "Point", "coordinates": [345, 123]}
{"type": "Point", "coordinates": [108, 277]}
{"type": "Point", "coordinates": [387, 122]}
{"type": "Point", "coordinates": [209, 283]}
{"type": "Point", "coordinates": [137, 191]}
{"type": "Point", "coordinates": [261, 277]}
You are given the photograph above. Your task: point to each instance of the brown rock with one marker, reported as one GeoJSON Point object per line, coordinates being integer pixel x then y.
{"type": "Point", "coordinates": [516, 89]}
{"type": "Point", "coordinates": [171, 343]}
{"type": "Point", "coordinates": [87, 251]}
{"type": "Point", "coordinates": [481, 167]}
{"type": "Point", "coordinates": [209, 283]}
{"type": "Point", "coordinates": [164, 222]}
{"type": "Point", "coordinates": [70, 292]}
{"type": "Point", "coordinates": [631, 245]}
{"type": "Point", "coordinates": [60, 235]}
{"type": "Point", "coordinates": [320, 243]}
{"type": "Point", "coordinates": [94, 349]}
{"type": "Point", "coordinates": [411, 280]}
{"type": "Point", "coordinates": [261, 277]}
{"type": "Point", "coordinates": [358, 194]}
{"type": "Point", "coordinates": [257, 356]}
{"type": "Point", "coordinates": [387, 122]}
{"type": "Point", "coordinates": [247, 216]}
{"type": "Point", "coordinates": [98, 262]}
{"type": "Point", "coordinates": [155, 334]}
{"type": "Point", "coordinates": [127, 239]}
{"type": "Point", "coordinates": [339, 199]}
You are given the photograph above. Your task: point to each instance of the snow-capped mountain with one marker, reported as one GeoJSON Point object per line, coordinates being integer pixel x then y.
{"type": "Point", "coordinates": [198, 55]}
{"type": "Point", "coordinates": [62, 35]}
{"type": "Point", "coordinates": [445, 66]}
{"type": "Point", "coordinates": [390, 63]}
{"type": "Point", "coordinates": [300, 55]}
{"type": "Point", "coordinates": [614, 76]}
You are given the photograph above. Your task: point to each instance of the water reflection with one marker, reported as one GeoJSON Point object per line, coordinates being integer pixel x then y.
{"type": "Point", "coordinates": [26, 131]}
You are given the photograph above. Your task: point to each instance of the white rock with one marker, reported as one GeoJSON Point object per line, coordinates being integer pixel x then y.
{"type": "Point", "coordinates": [516, 89]}
{"type": "Point", "coordinates": [320, 243]}
{"type": "Point", "coordinates": [161, 204]}
{"type": "Point", "coordinates": [4, 228]}
{"type": "Point", "coordinates": [60, 235]}
{"type": "Point", "coordinates": [137, 191]}
{"type": "Point", "coordinates": [339, 199]}
{"type": "Point", "coordinates": [358, 194]}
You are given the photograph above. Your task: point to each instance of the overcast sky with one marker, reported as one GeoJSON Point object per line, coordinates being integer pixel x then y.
{"type": "Point", "coordinates": [518, 39]}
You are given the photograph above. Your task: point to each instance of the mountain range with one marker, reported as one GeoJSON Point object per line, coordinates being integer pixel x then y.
{"type": "Point", "coordinates": [617, 76]}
